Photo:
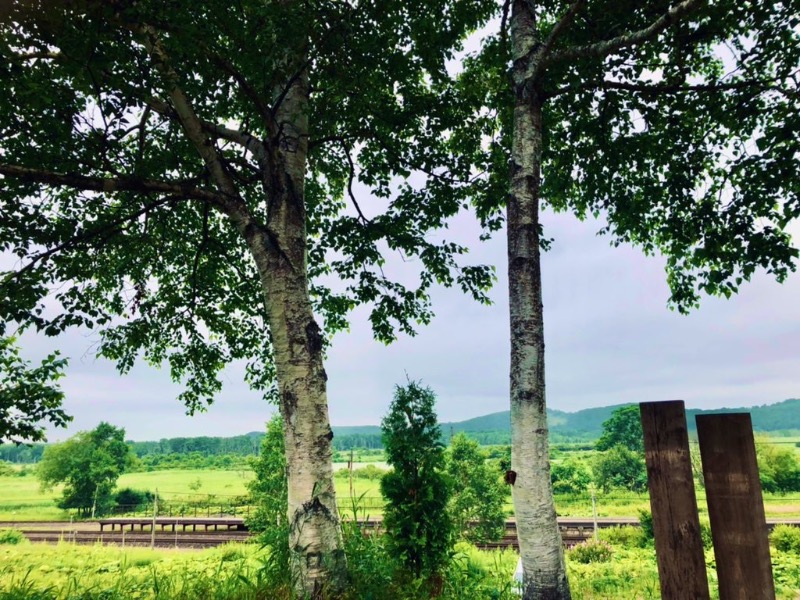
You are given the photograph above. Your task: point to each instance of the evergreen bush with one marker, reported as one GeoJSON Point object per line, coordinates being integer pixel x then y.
{"type": "Point", "coordinates": [416, 520]}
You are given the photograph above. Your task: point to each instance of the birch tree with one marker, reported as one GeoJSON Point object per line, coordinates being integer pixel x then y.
{"type": "Point", "coordinates": [178, 176]}
{"type": "Point", "coordinates": [673, 121]}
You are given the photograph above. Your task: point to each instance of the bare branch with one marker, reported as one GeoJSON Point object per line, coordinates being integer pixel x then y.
{"type": "Point", "coordinates": [504, 23]}
{"type": "Point", "coordinates": [350, 178]}
{"type": "Point", "coordinates": [604, 48]}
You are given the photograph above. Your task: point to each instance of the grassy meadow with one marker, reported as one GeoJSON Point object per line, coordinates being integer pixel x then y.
{"type": "Point", "coordinates": [184, 489]}
{"type": "Point", "coordinates": [22, 499]}
{"type": "Point", "coordinates": [66, 571]}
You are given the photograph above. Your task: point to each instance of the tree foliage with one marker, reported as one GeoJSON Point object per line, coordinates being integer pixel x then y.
{"type": "Point", "coordinates": [88, 464]}
{"type": "Point", "coordinates": [676, 130]}
{"type": "Point", "coordinates": [477, 492]}
{"type": "Point", "coordinates": [107, 203]}
{"type": "Point", "coordinates": [29, 395]}
{"type": "Point", "coordinates": [620, 469]}
{"type": "Point", "coordinates": [570, 476]}
{"type": "Point", "coordinates": [416, 519]}
{"type": "Point", "coordinates": [623, 428]}
{"type": "Point", "coordinates": [778, 468]}
{"type": "Point", "coordinates": [267, 489]}
{"type": "Point", "coordinates": [178, 177]}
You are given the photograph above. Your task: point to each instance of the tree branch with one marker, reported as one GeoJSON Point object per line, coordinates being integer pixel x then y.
{"type": "Point", "coordinates": [561, 26]}
{"type": "Point", "coordinates": [112, 184]}
{"type": "Point", "coordinates": [190, 121]}
{"type": "Point", "coordinates": [350, 178]}
{"type": "Point", "coordinates": [87, 235]}
{"type": "Point", "coordinates": [604, 48]}
{"type": "Point", "coordinates": [249, 142]}
{"type": "Point", "coordinates": [257, 99]}
{"type": "Point", "coordinates": [678, 88]}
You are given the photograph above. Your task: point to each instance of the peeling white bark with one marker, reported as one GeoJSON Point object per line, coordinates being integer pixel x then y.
{"type": "Point", "coordinates": [315, 542]}
{"type": "Point", "coordinates": [544, 570]}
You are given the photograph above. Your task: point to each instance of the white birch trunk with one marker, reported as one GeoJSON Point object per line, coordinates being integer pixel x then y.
{"type": "Point", "coordinates": [544, 571]}
{"type": "Point", "coordinates": [317, 558]}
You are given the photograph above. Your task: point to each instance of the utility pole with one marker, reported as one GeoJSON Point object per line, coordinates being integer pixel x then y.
{"type": "Point", "coordinates": [94, 502]}
{"type": "Point", "coordinates": [155, 512]}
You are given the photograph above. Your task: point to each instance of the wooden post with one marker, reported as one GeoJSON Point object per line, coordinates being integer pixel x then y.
{"type": "Point", "coordinates": [735, 506]}
{"type": "Point", "coordinates": [673, 503]}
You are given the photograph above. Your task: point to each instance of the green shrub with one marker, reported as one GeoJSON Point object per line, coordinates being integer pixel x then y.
{"type": "Point", "coordinates": [620, 468]}
{"type": "Point", "coordinates": [646, 524]}
{"type": "Point", "coordinates": [591, 551]}
{"type": "Point", "coordinates": [477, 492]}
{"type": "Point", "coordinates": [570, 476]}
{"type": "Point", "coordinates": [368, 472]}
{"type": "Point", "coordinates": [786, 538]}
{"type": "Point", "coordinates": [128, 498]}
{"type": "Point", "coordinates": [12, 536]}
{"type": "Point", "coordinates": [626, 536]}
{"type": "Point", "coordinates": [705, 534]}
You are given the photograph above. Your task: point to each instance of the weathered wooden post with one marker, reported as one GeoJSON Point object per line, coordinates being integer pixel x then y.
{"type": "Point", "coordinates": [735, 506]}
{"type": "Point", "coordinates": [673, 502]}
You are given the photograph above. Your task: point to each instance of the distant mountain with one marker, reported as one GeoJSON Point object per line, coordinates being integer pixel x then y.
{"type": "Point", "coordinates": [587, 423]}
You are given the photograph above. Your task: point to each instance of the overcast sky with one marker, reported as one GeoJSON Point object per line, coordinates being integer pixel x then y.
{"type": "Point", "coordinates": [610, 339]}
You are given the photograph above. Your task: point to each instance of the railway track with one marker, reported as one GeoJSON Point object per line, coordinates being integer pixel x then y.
{"type": "Point", "coordinates": [573, 531]}
{"type": "Point", "coordinates": [161, 539]}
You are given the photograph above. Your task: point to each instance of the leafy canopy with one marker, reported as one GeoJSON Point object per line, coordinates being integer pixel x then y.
{"type": "Point", "coordinates": [623, 428]}
{"type": "Point", "coordinates": [681, 139]}
{"type": "Point", "coordinates": [112, 216]}
{"type": "Point", "coordinates": [29, 395]}
{"type": "Point", "coordinates": [88, 464]}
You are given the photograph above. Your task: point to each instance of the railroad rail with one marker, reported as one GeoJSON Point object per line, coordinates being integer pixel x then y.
{"type": "Point", "coordinates": [179, 534]}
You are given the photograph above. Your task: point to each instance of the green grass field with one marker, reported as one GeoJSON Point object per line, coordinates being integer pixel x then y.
{"type": "Point", "coordinates": [23, 500]}
{"type": "Point", "coordinates": [65, 571]}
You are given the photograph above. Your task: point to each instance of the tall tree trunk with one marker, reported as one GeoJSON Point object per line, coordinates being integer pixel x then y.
{"type": "Point", "coordinates": [317, 559]}
{"type": "Point", "coordinates": [544, 571]}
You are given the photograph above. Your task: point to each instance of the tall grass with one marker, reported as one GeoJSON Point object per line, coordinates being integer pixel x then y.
{"type": "Point", "coordinates": [240, 572]}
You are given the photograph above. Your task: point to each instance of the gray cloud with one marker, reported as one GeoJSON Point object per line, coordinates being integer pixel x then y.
{"type": "Point", "coordinates": [610, 338]}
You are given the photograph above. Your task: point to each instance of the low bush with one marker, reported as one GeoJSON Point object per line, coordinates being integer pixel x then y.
{"type": "Point", "coordinates": [129, 498]}
{"type": "Point", "coordinates": [786, 538]}
{"type": "Point", "coordinates": [646, 524]}
{"type": "Point", "coordinates": [705, 534]}
{"type": "Point", "coordinates": [591, 551]}
{"type": "Point", "coordinates": [12, 536]}
{"type": "Point", "coordinates": [368, 472]}
{"type": "Point", "coordinates": [627, 536]}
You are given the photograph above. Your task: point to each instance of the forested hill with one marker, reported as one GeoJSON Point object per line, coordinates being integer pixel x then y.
{"type": "Point", "coordinates": [582, 425]}
{"type": "Point", "coordinates": [587, 423]}
{"type": "Point", "coordinates": [565, 427]}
